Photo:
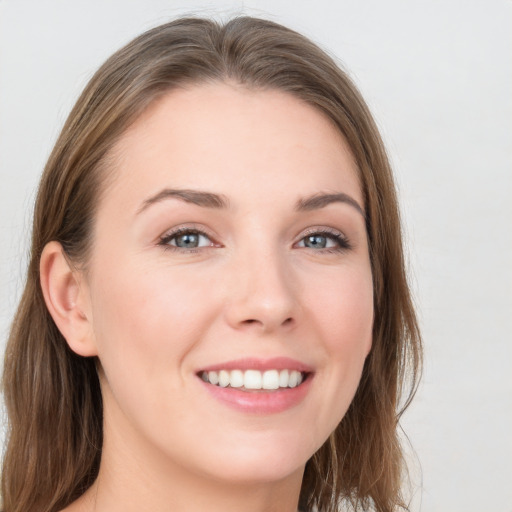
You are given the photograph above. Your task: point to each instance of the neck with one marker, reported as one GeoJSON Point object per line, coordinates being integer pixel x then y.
{"type": "Point", "coordinates": [106, 495]}
{"type": "Point", "coordinates": [134, 477]}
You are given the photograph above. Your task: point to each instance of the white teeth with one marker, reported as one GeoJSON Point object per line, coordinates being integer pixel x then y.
{"type": "Point", "coordinates": [237, 378]}
{"type": "Point", "coordinates": [283, 378]}
{"type": "Point", "coordinates": [254, 379]}
{"type": "Point", "coordinates": [223, 378]}
{"type": "Point", "coordinates": [270, 379]}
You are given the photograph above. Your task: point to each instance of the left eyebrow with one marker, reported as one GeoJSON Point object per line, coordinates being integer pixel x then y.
{"type": "Point", "coordinates": [321, 200]}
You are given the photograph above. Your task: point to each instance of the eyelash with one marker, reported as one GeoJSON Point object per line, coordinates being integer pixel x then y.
{"type": "Point", "coordinates": [341, 241]}
{"type": "Point", "coordinates": [168, 237]}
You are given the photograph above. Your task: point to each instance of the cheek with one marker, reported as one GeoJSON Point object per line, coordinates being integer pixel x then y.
{"type": "Point", "coordinates": [343, 315]}
{"type": "Point", "coordinates": [149, 320]}
{"type": "Point", "coordinates": [343, 308]}
{"type": "Point", "coordinates": [146, 326]}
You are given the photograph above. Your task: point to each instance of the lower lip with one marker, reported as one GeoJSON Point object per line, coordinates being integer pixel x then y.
{"type": "Point", "coordinates": [260, 401]}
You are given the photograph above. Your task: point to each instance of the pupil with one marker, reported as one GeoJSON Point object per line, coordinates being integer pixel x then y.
{"type": "Point", "coordinates": [316, 241]}
{"type": "Point", "coordinates": [188, 240]}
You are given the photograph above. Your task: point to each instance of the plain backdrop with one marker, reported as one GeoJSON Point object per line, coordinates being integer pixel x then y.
{"type": "Point", "coordinates": [438, 78]}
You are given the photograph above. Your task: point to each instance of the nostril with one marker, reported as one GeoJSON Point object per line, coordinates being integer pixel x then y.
{"type": "Point", "coordinates": [251, 321]}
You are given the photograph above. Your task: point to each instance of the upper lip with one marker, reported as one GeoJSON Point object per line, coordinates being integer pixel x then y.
{"type": "Point", "coordinates": [254, 363]}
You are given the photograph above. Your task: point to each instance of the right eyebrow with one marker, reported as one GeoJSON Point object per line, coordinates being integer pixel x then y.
{"type": "Point", "coordinates": [197, 197]}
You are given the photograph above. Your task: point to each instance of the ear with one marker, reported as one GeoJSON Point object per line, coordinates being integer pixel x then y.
{"type": "Point", "coordinates": [67, 299]}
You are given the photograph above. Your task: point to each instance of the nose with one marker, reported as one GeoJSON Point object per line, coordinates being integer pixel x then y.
{"type": "Point", "coordinates": [262, 295]}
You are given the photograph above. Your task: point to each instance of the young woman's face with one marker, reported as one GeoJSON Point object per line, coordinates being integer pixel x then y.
{"type": "Point", "coordinates": [230, 246]}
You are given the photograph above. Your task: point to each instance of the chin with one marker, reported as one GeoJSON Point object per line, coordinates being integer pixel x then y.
{"type": "Point", "coordinates": [258, 471]}
{"type": "Point", "coordinates": [269, 458]}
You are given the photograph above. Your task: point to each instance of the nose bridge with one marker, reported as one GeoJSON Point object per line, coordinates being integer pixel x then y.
{"type": "Point", "coordinates": [263, 291]}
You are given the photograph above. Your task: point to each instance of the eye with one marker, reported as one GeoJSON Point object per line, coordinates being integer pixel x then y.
{"type": "Point", "coordinates": [325, 239]}
{"type": "Point", "coordinates": [186, 238]}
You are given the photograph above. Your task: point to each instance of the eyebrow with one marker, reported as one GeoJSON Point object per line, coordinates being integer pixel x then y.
{"type": "Point", "coordinates": [197, 197]}
{"type": "Point", "coordinates": [321, 200]}
{"type": "Point", "coordinates": [219, 201]}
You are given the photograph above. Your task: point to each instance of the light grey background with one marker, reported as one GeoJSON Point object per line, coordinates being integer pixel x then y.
{"type": "Point", "coordinates": [438, 77]}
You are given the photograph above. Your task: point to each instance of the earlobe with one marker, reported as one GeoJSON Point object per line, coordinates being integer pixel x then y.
{"type": "Point", "coordinates": [65, 296]}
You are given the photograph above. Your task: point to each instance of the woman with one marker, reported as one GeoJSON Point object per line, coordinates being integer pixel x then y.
{"type": "Point", "coordinates": [216, 313]}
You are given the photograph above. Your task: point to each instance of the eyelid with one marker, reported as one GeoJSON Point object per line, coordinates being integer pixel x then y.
{"type": "Point", "coordinates": [338, 236]}
{"type": "Point", "coordinates": [342, 241]}
{"type": "Point", "coordinates": [322, 229]}
{"type": "Point", "coordinates": [167, 236]}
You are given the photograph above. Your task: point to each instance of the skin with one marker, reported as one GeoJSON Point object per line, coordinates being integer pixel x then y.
{"type": "Point", "coordinates": [154, 315]}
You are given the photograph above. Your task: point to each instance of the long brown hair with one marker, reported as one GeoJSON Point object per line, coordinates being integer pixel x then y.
{"type": "Point", "coordinates": [52, 395]}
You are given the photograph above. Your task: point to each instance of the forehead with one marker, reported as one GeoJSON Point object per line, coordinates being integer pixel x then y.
{"type": "Point", "coordinates": [233, 140]}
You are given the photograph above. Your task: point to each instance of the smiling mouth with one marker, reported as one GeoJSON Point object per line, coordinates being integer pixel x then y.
{"type": "Point", "coordinates": [255, 380]}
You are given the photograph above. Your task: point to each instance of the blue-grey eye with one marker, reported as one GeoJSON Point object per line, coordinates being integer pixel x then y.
{"type": "Point", "coordinates": [325, 240]}
{"type": "Point", "coordinates": [187, 240]}
{"type": "Point", "coordinates": [316, 241]}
